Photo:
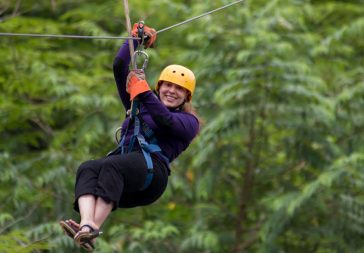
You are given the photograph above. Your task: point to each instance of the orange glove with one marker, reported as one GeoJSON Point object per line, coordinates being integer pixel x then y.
{"type": "Point", "coordinates": [135, 83]}
{"type": "Point", "coordinates": [151, 34]}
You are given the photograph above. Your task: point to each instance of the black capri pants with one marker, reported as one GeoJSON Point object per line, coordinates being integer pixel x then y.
{"type": "Point", "coordinates": [118, 179]}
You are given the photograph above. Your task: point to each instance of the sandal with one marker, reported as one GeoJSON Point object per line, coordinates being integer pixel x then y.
{"type": "Point", "coordinates": [84, 237]}
{"type": "Point", "coordinates": [70, 230]}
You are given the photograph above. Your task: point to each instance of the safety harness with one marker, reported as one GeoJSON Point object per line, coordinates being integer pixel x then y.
{"type": "Point", "coordinates": [143, 134]}
{"type": "Point", "coordinates": [146, 139]}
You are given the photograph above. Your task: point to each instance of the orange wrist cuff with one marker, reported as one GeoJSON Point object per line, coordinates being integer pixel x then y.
{"type": "Point", "coordinates": [137, 88]}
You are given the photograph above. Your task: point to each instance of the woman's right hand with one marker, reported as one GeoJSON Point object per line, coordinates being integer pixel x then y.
{"type": "Point", "coordinates": [136, 83]}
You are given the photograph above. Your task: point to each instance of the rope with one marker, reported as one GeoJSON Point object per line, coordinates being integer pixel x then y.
{"type": "Point", "coordinates": [112, 37]}
{"type": "Point", "coordinates": [128, 26]}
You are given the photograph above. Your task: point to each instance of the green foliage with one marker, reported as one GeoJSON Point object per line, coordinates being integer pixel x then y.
{"type": "Point", "coordinates": [287, 206]}
{"type": "Point", "coordinates": [277, 166]}
{"type": "Point", "coordinates": [201, 240]}
{"type": "Point", "coordinates": [16, 241]}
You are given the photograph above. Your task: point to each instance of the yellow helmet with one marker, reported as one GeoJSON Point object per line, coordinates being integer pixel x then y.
{"type": "Point", "coordinates": [179, 75]}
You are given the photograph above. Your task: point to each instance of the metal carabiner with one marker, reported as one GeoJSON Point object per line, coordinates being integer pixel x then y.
{"type": "Point", "coordinates": [145, 55]}
{"type": "Point", "coordinates": [139, 50]}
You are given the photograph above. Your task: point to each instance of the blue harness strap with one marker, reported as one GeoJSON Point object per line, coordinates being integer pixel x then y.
{"type": "Point", "coordinates": [146, 148]}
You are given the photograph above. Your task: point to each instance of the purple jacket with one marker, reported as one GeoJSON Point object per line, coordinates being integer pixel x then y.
{"type": "Point", "coordinates": [173, 129]}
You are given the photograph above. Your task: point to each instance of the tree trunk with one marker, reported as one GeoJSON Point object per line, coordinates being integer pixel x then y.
{"type": "Point", "coordinates": [245, 192]}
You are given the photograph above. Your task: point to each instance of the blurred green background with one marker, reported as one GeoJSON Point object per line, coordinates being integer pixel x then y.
{"type": "Point", "coordinates": [277, 167]}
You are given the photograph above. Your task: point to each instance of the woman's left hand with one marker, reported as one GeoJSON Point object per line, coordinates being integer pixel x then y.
{"type": "Point", "coordinates": [151, 34]}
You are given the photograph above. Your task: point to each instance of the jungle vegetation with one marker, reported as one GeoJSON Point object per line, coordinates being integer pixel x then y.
{"type": "Point", "coordinates": [277, 166]}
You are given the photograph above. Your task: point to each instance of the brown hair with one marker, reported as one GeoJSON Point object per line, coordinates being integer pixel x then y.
{"type": "Point", "coordinates": [188, 107]}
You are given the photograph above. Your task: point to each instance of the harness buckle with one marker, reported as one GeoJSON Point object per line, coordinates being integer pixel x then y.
{"type": "Point", "coordinates": [129, 111]}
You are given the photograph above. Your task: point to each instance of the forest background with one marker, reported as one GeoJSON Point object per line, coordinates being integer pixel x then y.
{"type": "Point", "coordinates": [277, 167]}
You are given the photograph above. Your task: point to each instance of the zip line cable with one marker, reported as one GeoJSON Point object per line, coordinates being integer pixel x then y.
{"type": "Point", "coordinates": [64, 36]}
{"type": "Point", "coordinates": [200, 16]}
{"type": "Point", "coordinates": [116, 37]}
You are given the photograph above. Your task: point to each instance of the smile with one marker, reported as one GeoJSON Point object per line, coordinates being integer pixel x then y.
{"type": "Point", "coordinates": [171, 97]}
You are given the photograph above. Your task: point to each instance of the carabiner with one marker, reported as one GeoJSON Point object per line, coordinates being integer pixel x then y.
{"type": "Point", "coordinates": [145, 55]}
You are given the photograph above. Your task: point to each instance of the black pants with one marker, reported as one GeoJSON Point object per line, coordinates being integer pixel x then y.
{"type": "Point", "coordinates": [118, 179]}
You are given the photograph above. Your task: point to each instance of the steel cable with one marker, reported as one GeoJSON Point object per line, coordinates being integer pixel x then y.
{"type": "Point", "coordinates": [116, 37]}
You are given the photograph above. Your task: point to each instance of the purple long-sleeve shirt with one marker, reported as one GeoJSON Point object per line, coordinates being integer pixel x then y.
{"type": "Point", "coordinates": [173, 129]}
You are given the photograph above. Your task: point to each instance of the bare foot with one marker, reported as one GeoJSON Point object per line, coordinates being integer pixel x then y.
{"type": "Point", "coordinates": [74, 223]}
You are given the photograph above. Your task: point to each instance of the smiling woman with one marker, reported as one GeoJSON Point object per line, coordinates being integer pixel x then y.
{"type": "Point", "coordinates": [136, 172]}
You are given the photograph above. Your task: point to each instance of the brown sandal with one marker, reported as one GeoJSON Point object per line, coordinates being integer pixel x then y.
{"type": "Point", "coordinates": [70, 230]}
{"type": "Point", "coordinates": [86, 237]}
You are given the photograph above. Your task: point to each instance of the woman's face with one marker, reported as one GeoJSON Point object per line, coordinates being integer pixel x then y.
{"type": "Point", "coordinates": [172, 95]}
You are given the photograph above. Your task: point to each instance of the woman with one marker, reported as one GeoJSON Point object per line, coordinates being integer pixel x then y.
{"type": "Point", "coordinates": [119, 180]}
